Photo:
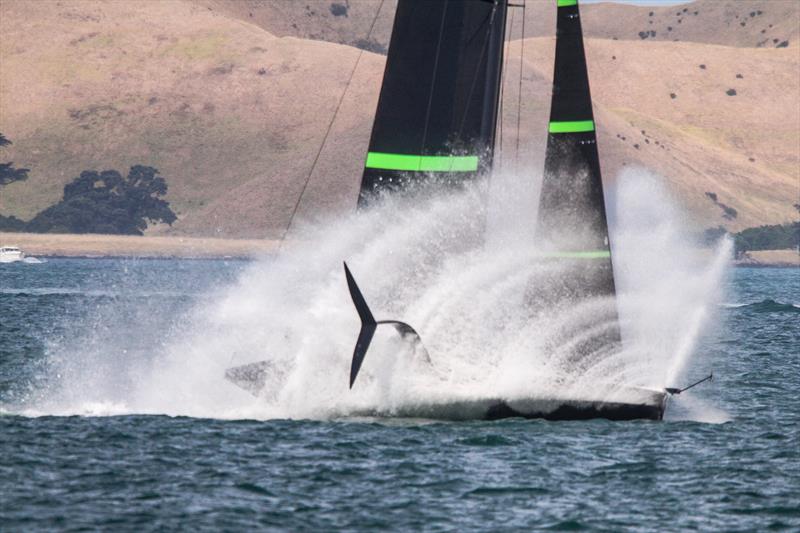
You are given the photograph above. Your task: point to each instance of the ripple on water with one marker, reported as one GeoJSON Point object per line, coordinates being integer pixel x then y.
{"type": "Point", "coordinates": [132, 472]}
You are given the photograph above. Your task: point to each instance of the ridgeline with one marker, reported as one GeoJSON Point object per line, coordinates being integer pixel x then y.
{"type": "Point", "coordinates": [231, 101]}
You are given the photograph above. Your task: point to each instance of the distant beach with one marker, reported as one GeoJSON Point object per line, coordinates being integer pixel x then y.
{"type": "Point", "coordinates": [769, 258]}
{"type": "Point", "coordinates": [69, 245]}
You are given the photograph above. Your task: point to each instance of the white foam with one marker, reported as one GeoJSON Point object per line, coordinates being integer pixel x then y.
{"type": "Point", "coordinates": [689, 407]}
{"type": "Point", "coordinates": [425, 263]}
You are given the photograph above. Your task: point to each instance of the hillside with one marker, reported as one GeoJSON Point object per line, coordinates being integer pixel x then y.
{"type": "Point", "coordinates": [741, 23]}
{"type": "Point", "coordinates": [337, 21]}
{"type": "Point", "coordinates": [232, 108]}
{"type": "Point", "coordinates": [686, 127]}
{"type": "Point", "coordinates": [230, 114]}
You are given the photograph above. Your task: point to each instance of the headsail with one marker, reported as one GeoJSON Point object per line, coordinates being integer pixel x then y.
{"type": "Point", "coordinates": [572, 215]}
{"type": "Point", "coordinates": [438, 103]}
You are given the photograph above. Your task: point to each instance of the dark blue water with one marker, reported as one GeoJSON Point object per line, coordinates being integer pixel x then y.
{"type": "Point", "coordinates": [138, 472]}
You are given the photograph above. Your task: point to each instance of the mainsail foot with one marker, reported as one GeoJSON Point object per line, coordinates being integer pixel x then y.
{"type": "Point", "coordinates": [369, 325]}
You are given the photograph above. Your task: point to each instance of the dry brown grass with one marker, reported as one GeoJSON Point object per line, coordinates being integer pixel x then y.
{"type": "Point", "coordinates": [233, 115]}
{"type": "Point", "coordinates": [784, 258]}
{"type": "Point", "coordinates": [715, 21]}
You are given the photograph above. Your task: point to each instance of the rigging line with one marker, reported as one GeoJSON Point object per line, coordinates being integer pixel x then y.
{"type": "Point", "coordinates": [502, 91]}
{"type": "Point", "coordinates": [519, 94]}
{"type": "Point", "coordinates": [485, 47]}
{"type": "Point", "coordinates": [328, 130]}
{"type": "Point", "coordinates": [433, 81]}
{"type": "Point", "coordinates": [487, 17]}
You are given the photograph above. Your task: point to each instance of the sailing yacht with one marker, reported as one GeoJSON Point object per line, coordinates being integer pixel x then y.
{"type": "Point", "coordinates": [435, 123]}
{"type": "Point", "coordinates": [436, 120]}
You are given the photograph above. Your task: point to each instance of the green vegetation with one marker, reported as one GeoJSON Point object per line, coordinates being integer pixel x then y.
{"type": "Point", "coordinates": [11, 224]}
{"type": "Point", "coordinates": [728, 213]}
{"type": "Point", "coordinates": [8, 173]}
{"type": "Point", "coordinates": [774, 237]}
{"type": "Point", "coordinates": [103, 202]}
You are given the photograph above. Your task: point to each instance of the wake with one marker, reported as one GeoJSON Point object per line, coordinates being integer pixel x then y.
{"type": "Point", "coordinates": [432, 264]}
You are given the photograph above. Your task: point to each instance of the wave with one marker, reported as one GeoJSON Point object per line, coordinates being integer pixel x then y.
{"type": "Point", "coordinates": [764, 306]}
{"type": "Point", "coordinates": [52, 291]}
{"type": "Point", "coordinates": [69, 291]}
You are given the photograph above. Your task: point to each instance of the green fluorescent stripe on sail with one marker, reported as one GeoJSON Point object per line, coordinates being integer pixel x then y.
{"type": "Point", "coordinates": [452, 163]}
{"type": "Point", "coordinates": [392, 161]}
{"type": "Point", "coordinates": [422, 163]}
{"type": "Point", "coordinates": [575, 126]}
{"type": "Point", "coordinates": [566, 3]}
{"type": "Point", "coordinates": [592, 254]}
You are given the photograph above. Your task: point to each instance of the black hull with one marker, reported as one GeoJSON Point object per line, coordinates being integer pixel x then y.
{"type": "Point", "coordinates": [608, 411]}
{"type": "Point", "coordinates": [650, 405]}
{"type": "Point", "coordinates": [638, 404]}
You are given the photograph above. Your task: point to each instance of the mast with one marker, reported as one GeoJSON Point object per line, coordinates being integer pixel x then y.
{"type": "Point", "coordinates": [437, 109]}
{"type": "Point", "coordinates": [572, 213]}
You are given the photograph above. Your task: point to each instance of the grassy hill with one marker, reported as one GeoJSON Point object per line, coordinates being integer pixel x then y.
{"type": "Point", "coordinates": [232, 108]}
{"type": "Point", "coordinates": [740, 23]}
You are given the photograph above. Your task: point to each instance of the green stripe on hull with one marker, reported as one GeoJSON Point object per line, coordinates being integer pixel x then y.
{"type": "Point", "coordinates": [422, 163]}
{"type": "Point", "coordinates": [591, 254]}
{"type": "Point", "coordinates": [575, 126]}
{"type": "Point", "coordinates": [567, 3]}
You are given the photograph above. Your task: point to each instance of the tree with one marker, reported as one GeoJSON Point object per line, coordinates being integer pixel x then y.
{"type": "Point", "coordinates": [711, 236]}
{"type": "Point", "coordinates": [775, 237]}
{"type": "Point", "coordinates": [9, 174]}
{"type": "Point", "coordinates": [105, 202]}
{"type": "Point", "coordinates": [11, 223]}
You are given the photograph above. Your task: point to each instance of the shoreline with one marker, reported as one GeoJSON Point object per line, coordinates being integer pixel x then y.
{"type": "Point", "coordinates": [95, 246]}
{"type": "Point", "coordinates": [768, 258]}
{"type": "Point", "coordinates": [133, 246]}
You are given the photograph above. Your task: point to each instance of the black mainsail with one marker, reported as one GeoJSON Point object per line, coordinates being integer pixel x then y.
{"type": "Point", "coordinates": [572, 221]}
{"type": "Point", "coordinates": [437, 108]}
{"type": "Point", "coordinates": [572, 228]}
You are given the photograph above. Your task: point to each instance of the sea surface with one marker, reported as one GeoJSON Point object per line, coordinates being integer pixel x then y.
{"type": "Point", "coordinates": [726, 458]}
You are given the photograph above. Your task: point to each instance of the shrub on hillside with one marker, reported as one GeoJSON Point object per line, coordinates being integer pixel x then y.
{"type": "Point", "coordinates": [370, 45]}
{"type": "Point", "coordinates": [105, 202]}
{"type": "Point", "coordinates": [8, 173]}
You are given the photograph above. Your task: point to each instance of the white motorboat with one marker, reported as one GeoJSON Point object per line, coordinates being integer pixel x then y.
{"type": "Point", "coordinates": [11, 254]}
